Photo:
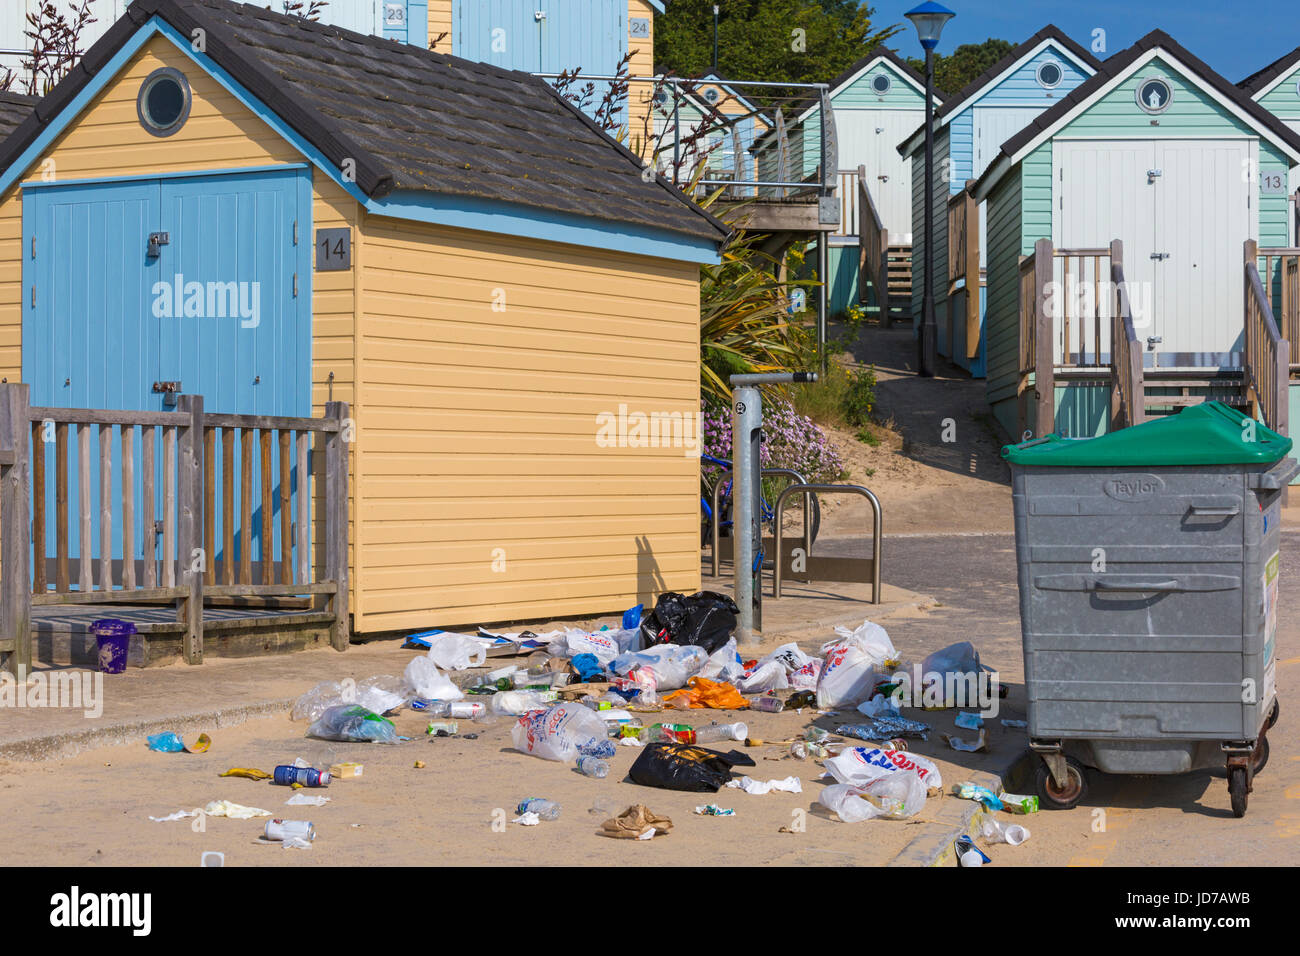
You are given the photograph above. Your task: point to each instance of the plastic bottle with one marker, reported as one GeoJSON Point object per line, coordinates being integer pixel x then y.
{"type": "Point", "coordinates": [545, 809]}
{"type": "Point", "coordinates": [593, 766]}
{"type": "Point", "coordinates": [768, 705]}
{"type": "Point", "coordinates": [717, 732]}
{"type": "Point", "coordinates": [668, 734]}
{"type": "Point", "coordinates": [598, 748]}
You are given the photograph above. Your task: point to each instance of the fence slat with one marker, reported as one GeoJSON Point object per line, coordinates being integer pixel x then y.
{"type": "Point", "coordinates": [228, 505]}
{"type": "Point", "coordinates": [286, 511]}
{"type": "Point", "coordinates": [267, 551]}
{"type": "Point", "coordinates": [61, 530]}
{"type": "Point", "coordinates": [304, 511]}
{"type": "Point", "coordinates": [149, 517]}
{"type": "Point", "coordinates": [194, 558]}
{"type": "Point", "coordinates": [106, 507]}
{"type": "Point", "coordinates": [41, 582]}
{"type": "Point", "coordinates": [128, 507]}
{"type": "Point", "coordinates": [246, 506]}
{"type": "Point", "coordinates": [169, 507]}
{"type": "Point", "coordinates": [15, 552]}
{"type": "Point", "coordinates": [209, 506]}
{"type": "Point", "coordinates": [85, 564]}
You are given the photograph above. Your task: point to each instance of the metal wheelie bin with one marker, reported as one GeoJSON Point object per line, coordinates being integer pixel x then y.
{"type": "Point", "coordinates": [1148, 574]}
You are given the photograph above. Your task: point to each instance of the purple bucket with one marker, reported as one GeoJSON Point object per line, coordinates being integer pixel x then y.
{"type": "Point", "coordinates": [114, 638]}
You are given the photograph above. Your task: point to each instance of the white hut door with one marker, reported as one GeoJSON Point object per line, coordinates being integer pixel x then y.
{"type": "Point", "coordinates": [1202, 217]}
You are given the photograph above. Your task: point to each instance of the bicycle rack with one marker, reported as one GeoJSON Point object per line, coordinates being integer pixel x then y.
{"type": "Point", "coordinates": [831, 569]}
{"type": "Point", "coordinates": [716, 530]}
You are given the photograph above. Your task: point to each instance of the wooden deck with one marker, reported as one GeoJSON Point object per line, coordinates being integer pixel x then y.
{"type": "Point", "coordinates": [61, 633]}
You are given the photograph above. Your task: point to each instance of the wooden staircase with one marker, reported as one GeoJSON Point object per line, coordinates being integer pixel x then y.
{"type": "Point", "coordinates": [898, 269]}
{"type": "Point", "coordinates": [1166, 391]}
{"type": "Point", "coordinates": [882, 266]}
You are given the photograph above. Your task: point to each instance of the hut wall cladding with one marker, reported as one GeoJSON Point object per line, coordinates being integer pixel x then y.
{"type": "Point", "coordinates": [482, 423]}
{"type": "Point", "coordinates": [106, 141]}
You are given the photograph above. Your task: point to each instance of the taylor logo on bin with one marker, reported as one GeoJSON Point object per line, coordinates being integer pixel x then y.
{"type": "Point", "coordinates": [1133, 487]}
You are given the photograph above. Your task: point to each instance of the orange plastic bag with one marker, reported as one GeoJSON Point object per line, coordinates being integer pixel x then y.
{"type": "Point", "coordinates": [701, 692]}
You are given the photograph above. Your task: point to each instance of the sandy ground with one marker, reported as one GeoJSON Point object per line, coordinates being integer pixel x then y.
{"type": "Point", "coordinates": [94, 809]}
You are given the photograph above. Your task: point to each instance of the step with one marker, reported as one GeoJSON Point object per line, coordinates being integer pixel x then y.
{"type": "Point", "coordinates": [1186, 401]}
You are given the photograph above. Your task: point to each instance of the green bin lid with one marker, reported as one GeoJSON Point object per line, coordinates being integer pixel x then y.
{"type": "Point", "coordinates": [1207, 434]}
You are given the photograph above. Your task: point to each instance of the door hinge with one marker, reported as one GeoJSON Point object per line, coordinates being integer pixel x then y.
{"type": "Point", "coordinates": [33, 297]}
{"type": "Point", "coordinates": [295, 285]}
{"type": "Point", "coordinates": [33, 247]}
{"type": "Point", "coordinates": [295, 232]}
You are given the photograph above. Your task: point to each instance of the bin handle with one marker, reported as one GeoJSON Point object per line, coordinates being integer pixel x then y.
{"type": "Point", "coordinates": [1215, 510]}
{"type": "Point", "coordinates": [1121, 583]}
{"type": "Point", "coordinates": [1277, 477]}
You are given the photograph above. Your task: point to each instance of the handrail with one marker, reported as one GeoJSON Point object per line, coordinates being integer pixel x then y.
{"type": "Point", "coordinates": [1286, 302]}
{"type": "Point", "coordinates": [1080, 304]}
{"type": "Point", "coordinates": [964, 260]}
{"type": "Point", "coordinates": [717, 487]}
{"type": "Point", "coordinates": [873, 250]}
{"type": "Point", "coordinates": [1128, 388]}
{"type": "Point", "coordinates": [876, 528]}
{"type": "Point", "coordinates": [1268, 354]}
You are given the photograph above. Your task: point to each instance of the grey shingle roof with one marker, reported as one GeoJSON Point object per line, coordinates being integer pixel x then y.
{"type": "Point", "coordinates": [14, 108]}
{"type": "Point", "coordinates": [1262, 78]}
{"type": "Point", "coordinates": [409, 118]}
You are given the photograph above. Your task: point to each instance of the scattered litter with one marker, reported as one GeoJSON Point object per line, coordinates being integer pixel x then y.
{"type": "Point", "coordinates": [249, 773]}
{"type": "Point", "coordinates": [883, 728]}
{"type": "Point", "coordinates": [947, 670]}
{"type": "Point", "coordinates": [1013, 834]}
{"type": "Point", "coordinates": [173, 743]}
{"type": "Point", "coordinates": [306, 800]}
{"type": "Point", "coordinates": [700, 692]}
{"type": "Point", "coordinates": [345, 771]}
{"type": "Point", "coordinates": [968, 854]}
{"type": "Point", "coordinates": [217, 808]}
{"type": "Point", "coordinates": [538, 807]}
{"type": "Point", "coordinates": [669, 665]}
{"type": "Point", "coordinates": [1019, 803]}
{"type": "Point", "coordinates": [879, 706]}
{"type": "Point", "coordinates": [559, 733]}
{"type": "Point", "coordinates": [897, 796]}
{"type": "Point", "coordinates": [420, 765]}
{"type": "Point", "coordinates": [353, 723]}
{"type": "Point", "coordinates": [292, 775]}
{"type": "Point", "coordinates": [705, 619]}
{"type": "Point", "coordinates": [428, 682]}
{"type": "Point", "coordinates": [1019, 724]}
{"type": "Point", "coordinates": [685, 767]}
{"type": "Point", "coordinates": [293, 834]}
{"type": "Point", "coordinates": [631, 742]}
{"type": "Point", "coordinates": [442, 728]}
{"type": "Point", "coordinates": [849, 674]}
{"type": "Point", "coordinates": [861, 765]}
{"type": "Point", "coordinates": [970, 747]}
{"type": "Point", "coordinates": [760, 787]}
{"type": "Point", "coordinates": [527, 819]}
{"type": "Point", "coordinates": [970, 791]}
{"type": "Point", "coordinates": [713, 810]}
{"type": "Point", "coordinates": [969, 721]}
{"type": "Point", "coordinates": [637, 822]}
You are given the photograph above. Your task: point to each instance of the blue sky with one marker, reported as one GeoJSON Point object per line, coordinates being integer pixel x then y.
{"type": "Point", "coordinates": [1234, 39]}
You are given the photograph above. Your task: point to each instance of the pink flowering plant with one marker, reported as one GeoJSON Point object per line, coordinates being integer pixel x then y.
{"type": "Point", "coordinates": [790, 440]}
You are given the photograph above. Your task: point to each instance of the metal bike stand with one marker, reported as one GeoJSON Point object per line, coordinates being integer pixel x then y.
{"type": "Point", "coordinates": [766, 472]}
{"type": "Point", "coordinates": [832, 569]}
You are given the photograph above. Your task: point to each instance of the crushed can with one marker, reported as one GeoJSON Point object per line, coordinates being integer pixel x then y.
{"type": "Point", "coordinates": [282, 830]}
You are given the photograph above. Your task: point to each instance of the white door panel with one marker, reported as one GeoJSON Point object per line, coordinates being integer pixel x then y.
{"type": "Point", "coordinates": [993, 126]}
{"type": "Point", "coordinates": [1100, 193]}
{"type": "Point", "coordinates": [870, 138]}
{"type": "Point", "coordinates": [1202, 218]}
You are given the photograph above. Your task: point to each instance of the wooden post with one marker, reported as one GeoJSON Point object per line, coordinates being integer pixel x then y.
{"type": "Point", "coordinates": [191, 556]}
{"type": "Point", "coordinates": [1250, 254]}
{"type": "Point", "coordinates": [972, 269]}
{"type": "Point", "coordinates": [336, 521]}
{"type": "Point", "coordinates": [15, 552]}
{"type": "Point", "coordinates": [41, 583]}
{"type": "Point", "coordinates": [1044, 359]}
{"type": "Point", "coordinates": [1116, 331]}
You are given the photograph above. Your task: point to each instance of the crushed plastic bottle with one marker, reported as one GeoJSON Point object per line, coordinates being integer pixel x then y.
{"type": "Point", "coordinates": [593, 767]}
{"type": "Point", "coordinates": [545, 809]}
{"type": "Point", "coordinates": [713, 733]}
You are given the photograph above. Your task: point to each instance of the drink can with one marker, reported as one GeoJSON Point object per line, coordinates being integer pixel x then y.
{"type": "Point", "coordinates": [286, 775]}
{"type": "Point", "coordinates": [770, 705]}
{"type": "Point", "coordinates": [281, 830]}
{"type": "Point", "coordinates": [467, 709]}
{"type": "Point", "coordinates": [898, 743]}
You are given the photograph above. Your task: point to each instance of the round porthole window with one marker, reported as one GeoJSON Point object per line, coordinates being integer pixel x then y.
{"type": "Point", "coordinates": [711, 95]}
{"type": "Point", "coordinates": [164, 102]}
{"type": "Point", "coordinates": [1050, 75]}
{"type": "Point", "coordinates": [1154, 95]}
{"type": "Point", "coordinates": [881, 84]}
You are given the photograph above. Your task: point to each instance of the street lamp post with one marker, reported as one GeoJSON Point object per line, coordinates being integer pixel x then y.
{"type": "Point", "coordinates": [929, 19]}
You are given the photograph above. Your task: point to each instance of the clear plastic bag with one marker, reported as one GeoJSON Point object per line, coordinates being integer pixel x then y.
{"type": "Point", "coordinates": [353, 723]}
{"type": "Point", "coordinates": [765, 677]}
{"type": "Point", "coordinates": [897, 796]}
{"type": "Point", "coordinates": [516, 702]}
{"type": "Point", "coordinates": [457, 652]}
{"type": "Point", "coordinates": [672, 664]}
{"type": "Point", "coordinates": [382, 693]}
{"type": "Point", "coordinates": [560, 733]}
{"type": "Point", "coordinates": [723, 664]}
{"type": "Point", "coordinates": [425, 680]}
{"type": "Point", "coordinates": [321, 697]}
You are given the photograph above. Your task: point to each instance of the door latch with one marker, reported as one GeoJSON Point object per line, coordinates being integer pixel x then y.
{"type": "Point", "coordinates": [168, 390]}
{"type": "Point", "coordinates": [1159, 256]}
{"type": "Point", "coordinates": [156, 241]}
{"type": "Point", "coordinates": [1154, 174]}
{"type": "Point", "coordinates": [1153, 341]}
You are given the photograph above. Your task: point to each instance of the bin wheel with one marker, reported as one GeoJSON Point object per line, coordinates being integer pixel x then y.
{"type": "Point", "coordinates": [1273, 714]}
{"type": "Point", "coordinates": [1260, 756]}
{"type": "Point", "coordinates": [1238, 790]}
{"type": "Point", "coordinates": [1056, 798]}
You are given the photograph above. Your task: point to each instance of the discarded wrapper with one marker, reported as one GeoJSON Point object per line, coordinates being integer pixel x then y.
{"type": "Point", "coordinates": [637, 822]}
{"type": "Point", "coordinates": [966, 746]}
{"type": "Point", "coordinates": [249, 773]}
{"type": "Point", "coordinates": [1019, 803]}
{"type": "Point", "coordinates": [969, 721]}
{"type": "Point", "coordinates": [342, 771]}
{"type": "Point", "coordinates": [713, 810]}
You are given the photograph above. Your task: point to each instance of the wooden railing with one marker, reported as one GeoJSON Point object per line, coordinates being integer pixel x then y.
{"type": "Point", "coordinates": [1083, 276]}
{"type": "Point", "coordinates": [1036, 356]}
{"type": "Point", "coordinates": [1268, 353]}
{"type": "Point", "coordinates": [1127, 385]}
{"type": "Point", "coordinates": [847, 190]}
{"type": "Point", "coordinates": [873, 250]}
{"type": "Point", "coordinates": [964, 265]}
{"type": "Point", "coordinates": [1280, 277]}
{"type": "Point", "coordinates": [182, 503]}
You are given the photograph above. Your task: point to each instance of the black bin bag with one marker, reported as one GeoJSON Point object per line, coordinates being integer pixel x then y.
{"type": "Point", "coordinates": [686, 767]}
{"type": "Point", "coordinates": [705, 619]}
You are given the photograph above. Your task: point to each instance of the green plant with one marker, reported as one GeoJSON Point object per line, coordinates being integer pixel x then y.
{"type": "Point", "coordinates": [860, 400]}
{"type": "Point", "coordinates": [868, 437]}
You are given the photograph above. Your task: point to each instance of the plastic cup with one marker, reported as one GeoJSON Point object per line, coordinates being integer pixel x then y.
{"type": "Point", "coordinates": [114, 638]}
{"type": "Point", "coordinates": [1016, 834]}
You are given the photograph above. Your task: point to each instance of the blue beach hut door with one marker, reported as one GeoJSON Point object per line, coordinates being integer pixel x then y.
{"type": "Point", "coordinates": [136, 290]}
